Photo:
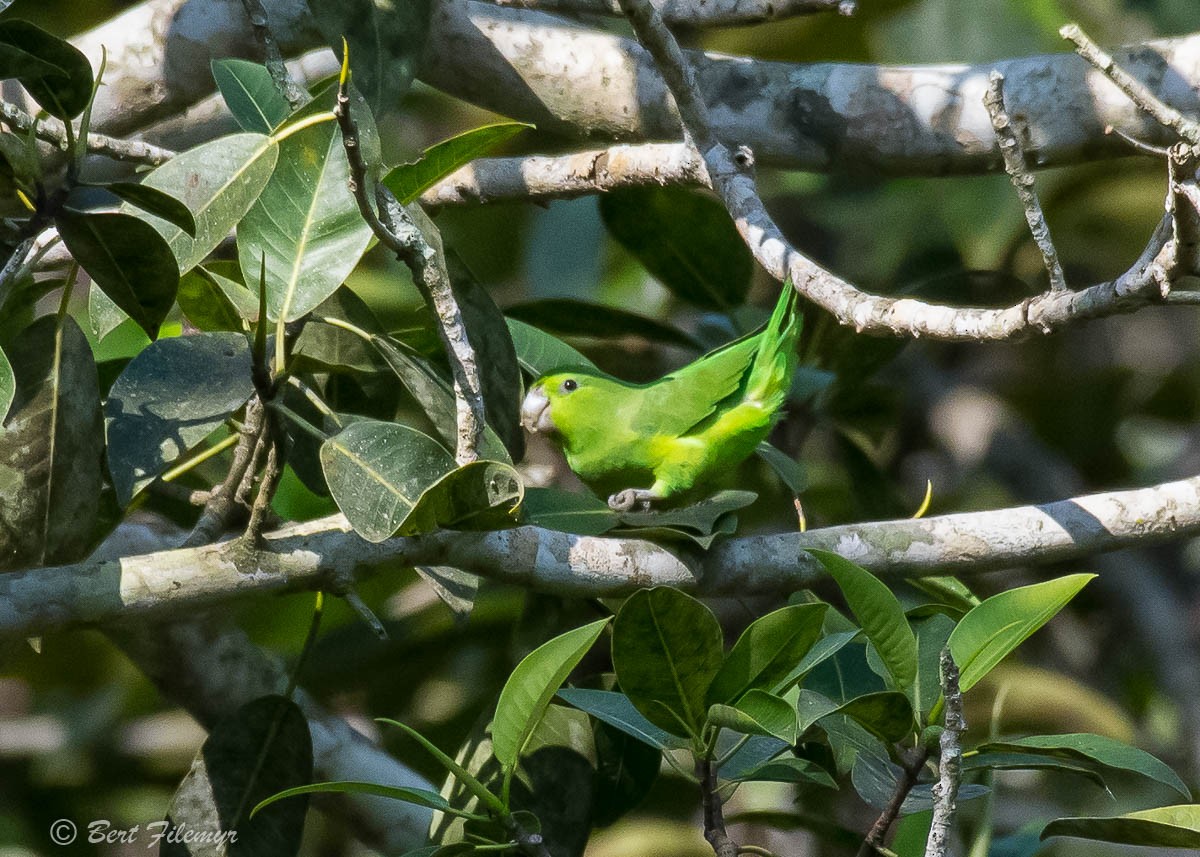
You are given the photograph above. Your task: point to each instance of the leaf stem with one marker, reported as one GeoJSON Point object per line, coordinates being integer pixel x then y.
{"type": "Point", "coordinates": [198, 459]}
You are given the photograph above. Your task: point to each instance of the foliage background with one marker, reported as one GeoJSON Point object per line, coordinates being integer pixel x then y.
{"type": "Point", "coordinates": [1105, 404]}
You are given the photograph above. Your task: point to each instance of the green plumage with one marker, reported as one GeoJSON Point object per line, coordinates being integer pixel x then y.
{"type": "Point", "coordinates": [663, 438]}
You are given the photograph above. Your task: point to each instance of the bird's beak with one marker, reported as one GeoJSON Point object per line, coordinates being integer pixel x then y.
{"type": "Point", "coordinates": [535, 411]}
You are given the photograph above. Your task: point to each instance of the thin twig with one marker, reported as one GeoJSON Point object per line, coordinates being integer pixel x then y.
{"type": "Point", "coordinates": [267, 485]}
{"type": "Point", "coordinates": [945, 790]}
{"type": "Point", "coordinates": [52, 131]}
{"type": "Point", "coordinates": [1022, 178]}
{"type": "Point", "coordinates": [714, 814]}
{"type": "Point", "coordinates": [224, 501]}
{"type": "Point", "coordinates": [273, 58]}
{"type": "Point", "coordinates": [873, 843]}
{"type": "Point", "coordinates": [1138, 92]}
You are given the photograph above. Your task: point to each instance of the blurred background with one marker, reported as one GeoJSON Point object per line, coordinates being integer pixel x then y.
{"type": "Point", "coordinates": [1107, 404]}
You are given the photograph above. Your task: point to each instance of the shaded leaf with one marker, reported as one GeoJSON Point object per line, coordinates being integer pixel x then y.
{"type": "Point", "coordinates": [701, 517]}
{"type": "Point", "coordinates": [482, 495]}
{"type": "Point", "coordinates": [213, 302]}
{"type": "Point", "coordinates": [932, 636]}
{"type": "Point", "coordinates": [568, 317]}
{"type": "Point", "coordinates": [250, 94]}
{"type": "Point", "coordinates": [532, 685]}
{"type": "Point", "coordinates": [767, 651]}
{"type": "Point", "coordinates": [888, 714]}
{"type": "Point", "coordinates": [666, 649]}
{"type": "Point", "coordinates": [63, 93]}
{"type": "Point", "coordinates": [258, 751]}
{"type": "Point", "coordinates": [568, 511]}
{"type": "Point", "coordinates": [156, 202]}
{"type": "Point", "coordinates": [825, 648]}
{"type": "Point", "coordinates": [409, 181]}
{"type": "Point", "coordinates": [51, 447]}
{"type": "Point", "coordinates": [127, 258]}
{"type": "Point", "coordinates": [323, 347]}
{"type": "Point", "coordinates": [876, 779]}
{"type": "Point", "coordinates": [758, 713]}
{"type": "Point", "coordinates": [626, 770]}
{"type": "Point", "coordinates": [989, 632]}
{"type": "Point", "coordinates": [456, 588]}
{"type": "Point", "coordinates": [1028, 762]}
{"type": "Point", "coordinates": [685, 239]}
{"type": "Point", "coordinates": [789, 471]}
{"type": "Point", "coordinates": [1164, 826]}
{"type": "Point", "coordinates": [170, 397]}
{"type": "Point", "coordinates": [790, 770]}
{"type": "Point", "coordinates": [618, 711]}
{"type": "Point", "coordinates": [755, 752]}
{"type": "Point", "coordinates": [539, 353]}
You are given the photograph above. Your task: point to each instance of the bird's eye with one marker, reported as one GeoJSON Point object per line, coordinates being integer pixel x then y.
{"type": "Point", "coordinates": [570, 385]}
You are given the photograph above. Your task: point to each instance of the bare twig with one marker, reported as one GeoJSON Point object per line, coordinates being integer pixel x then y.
{"type": "Point", "coordinates": [873, 843]}
{"type": "Point", "coordinates": [1184, 202]}
{"type": "Point", "coordinates": [229, 496]}
{"type": "Point", "coordinates": [268, 483]}
{"type": "Point", "coordinates": [689, 13]}
{"type": "Point", "coordinates": [945, 790]}
{"type": "Point", "coordinates": [273, 58]}
{"type": "Point", "coordinates": [1022, 179]}
{"type": "Point", "coordinates": [714, 814]}
{"type": "Point", "coordinates": [51, 130]}
{"type": "Point", "coordinates": [395, 229]}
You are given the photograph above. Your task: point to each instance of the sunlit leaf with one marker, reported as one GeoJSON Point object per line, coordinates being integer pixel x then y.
{"type": "Point", "coordinates": [539, 353]}
{"type": "Point", "coordinates": [767, 651]}
{"type": "Point", "coordinates": [250, 94]}
{"type": "Point", "coordinates": [409, 181]}
{"type": "Point", "coordinates": [482, 495]}
{"type": "Point", "coordinates": [213, 302]}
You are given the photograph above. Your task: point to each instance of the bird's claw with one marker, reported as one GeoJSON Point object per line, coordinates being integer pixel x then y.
{"type": "Point", "coordinates": [631, 499]}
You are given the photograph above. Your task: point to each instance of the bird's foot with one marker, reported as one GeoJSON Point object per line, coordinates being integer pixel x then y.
{"type": "Point", "coordinates": [631, 499]}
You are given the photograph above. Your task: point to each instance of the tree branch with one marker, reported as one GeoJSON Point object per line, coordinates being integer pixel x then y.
{"type": "Point", "coordinates": [714, 814]}
{"type": "Point", "coordinates": [52, 131]}
{"type": "Point", "coordinates": [690, 13]}
{"type": "Point", "coordinates": [945, 790]}
{"type": "Point", "coordinates": [273, 59]}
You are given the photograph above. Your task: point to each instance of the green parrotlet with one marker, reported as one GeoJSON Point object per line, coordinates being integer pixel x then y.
{"type": "Point", "coordinates": [644, 444]}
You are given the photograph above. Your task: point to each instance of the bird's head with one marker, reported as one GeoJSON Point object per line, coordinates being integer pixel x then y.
{"type": "Point", "coordinates": [557, 402]}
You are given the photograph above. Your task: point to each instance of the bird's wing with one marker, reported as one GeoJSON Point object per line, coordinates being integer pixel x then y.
{"type": "Point", "coordinates": [675, 404]}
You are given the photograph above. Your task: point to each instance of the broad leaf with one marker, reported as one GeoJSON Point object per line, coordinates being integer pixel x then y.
{"type": "Point", "coordinates": [700, 517]}
{"type": "Point", "coordinates": [482, 495]}
{"type": "Point", "coordinates": [213, 302]}
{"type": "Point", "coordinates": [1163, 827]}
{"type": "Point", "coordinates": [618, 711]}
{"type": "Point", "coordinates": [824, 649]}
{"type": "Point", "coordinates": [1028, 762]}
{"type": "Point", "coordinates": [104, 316]}
{"type": "Point", "coordinates": [259, 750]}
{"type": "Point", "coordinates": [626, 770]}
{"type": "Point", "coordinates": [1095, 749]}
{"type": "Point", "coordinates": [156, 202]}
{"type": "Point", "coordinates": [409, 181]}
{"type": "Point", "coordinates": [305, 222]}
{"type": "Point", "coordinates": [758, 713]}
{"type": "Point", "coordinates": [51, 447]}
{"type": "Point", "coordinates": [876, 779]}
{"type": "Point", "coordinates": [127, 258]}
{"type": "Point", "coordinates": [568, 511]}
{"type": "Point", "coordinates": [378, 471]}
{"type": "Point", "coordinates": [539, 353]}
{"type": "Point", "coordinates": [219, 182]}
{"type": "Point", "coordinates": [169, 398]}
{"type": "Point", "coordinates": [329, 347]}
{"type": "Point", "coordinates": [880, 614]}
{"type": "Point", "coordinates": [888, 714]}
{"type": "Point", "coordinates": [790, 471]}
{"type": "Point", "coordinates": [790, 769]}
{"type": "Point", "coordinates": [532, 685]}
{"type": "Point", "coordinates": [932, 636]}
{"type": "Point", "coordinates": [568, 317]}
{"type": "Point", "coordinates": [250, 94]}
{"type": "Point", "coordinates": [64, 93]}
{"type": "Point", "coordinates": [685, 239]}
{"type": "Point", "coordinates": [987, 634]}
{"type": "Point", "coordinates": [768, 650]}
{"type": "Point", "coordinates": [666, 649]}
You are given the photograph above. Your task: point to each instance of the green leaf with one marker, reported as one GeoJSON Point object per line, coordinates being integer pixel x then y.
{"type": "Point", "coordinates": [409, 181]}
{"type": "Point", "coordinates": [104, 316]}
{"type": "Point", "coordinates": [250, 94]}
{"type": "Point", "coordinates": [169, 398]}
{"type": "Point", "coordinates": [767, 651]}
{"type": "Point", "coordinates": [685, 239]}
{"type": "Point", "coordinates": [618, 711]}
{"type": "Point", "coordinates": [8, 386]}
{"type": "Point", "coordinates": [626, 770]}
{"type": "Point", "coordinates": [464, 777]}
{"type": "Point", "coordinates": [420, 797]}
{"type": "Point", "coordinates": [568, 511]}
{"type": "Point", "coordinates": [824, 649]}
{"type": "Point", "coordinates": [127, 258]}
{"type": "Point", "coordinates": [876, 779]}
{"type": "Point", "coordinates": [260, 750]}
{"type": "Point", "coordinates": [67, 91]}
{"type": "Point", "coordinates": [218, 181]}
{"type": "Point", "coordinates": [789, 471]}
{"type": "Point", "coordinates": [385, 40]}
{"type": "Point", "coordinates": [1164, 827]}
{"type": "Point", "coordinates": [213, 302]}
{"type": "Point", "coordinates": [532, 685]}
{"type": "Point", "coordinates": [378, 471]}
{"type": "Point", "coordinates": [880, 614]}
{"type": "Point", "coordinates": [568, 317]}
{"type": "Point", "coordinates": [329, 347]}
{"type": "Point", "coordinates": [789, 769]}
{"type": "Point", "coordinates": [1096, 749]}
{"type": "Point", "coordinates": [666, 649]}
{"type": "Point", "coordinates": [932, 636]}
{"type": "Point", "coordinates": [888, 714]}
{"type": "Point", "coordinates": [1027, 762]}
{"type": "Point", "coordinates": [156, 202]}
{"type": "Point", "coordinates": [989, 632]}
{"type": "Point", "coordinates": [51, 448]}
{"type": "Point", "coordinates": [700, 517]}
{"type": "Point", "coordinates": [758, 713]}
{"type": "Point", "coordinates": [305, 222]}
{"type": "Point", "coordinates": [482, 495]}
{"type": "Point", "coordinates": [539, 353]}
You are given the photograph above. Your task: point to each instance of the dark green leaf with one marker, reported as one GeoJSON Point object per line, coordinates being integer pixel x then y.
{"type": "Point", "coordinates": [409, 181]}
{"type": "Point", "coordinates": [51, 448]}
{"type": "Point", "coordinates": [64, 93]}
{"type": "Point", "coordinates": [1028, 762]}
{"type": "Point", "coordinates": [127, 258]}
{"type": "Point", "coordinates": [988, 633]}
{"type": "Point", "coordinates": [790, 471]}
{"type": "Point", "coordinates": [932, 635]}
{"type": "Point", "coordinates": [169, 398]}
{"type": "Point", "coordinates": [250, 94]}
{"type": "Point", "coordinates": [457, 589]}
{"type": "Point", "coordinates": [420, 797]}
{"type": "Point", "coordinates": [768, 650]}
{"type": "Point", "coordinates": [626, 770]}
{"type": "Point", "coordinates": [482, 495]}
{"type": "Point", "coordinates": [1096, 749]}
{"type": "Point", "coordinates": [532, 685]}
{"type": "Point", "coordinates": [888, 714]}
{"type": "Point", "coordinates": [685, 239]}
{"type": "Point", "coordinates": [1164, 827]}
{"type": "Point", "coordinates": [385, 39]}
{"type": "Point", "coordinates": [758, 713]}
{"type": "Point", "coordinates": [850, 741]}
{"type": "Point", "coordinates": [218, 181]}
{"type": "Point", "coordinates": [790, 770]}
{"type": "Point", "coordinates": [876, 779]}
{"type": "Point", "coordinates": [323, 347]}
{"type": "Point", "coordinates": [213, 302]}
{"type": "Point", "coordinates": [539, 353]}
{"type": "Point", "coordinates": [879, 613]}
{"type": "Point", "coordinates": [568, 511]}
{"type": "Point", "coordinates": [260, 750]}
{"type": "Point", "coordinates": [378, 471]}
{"type": "Point", "coordinates": [666, 649]}
{"type": "Point", "coordinates": [618, 711]}
{"type": "Point", "coordinates": [156, 202]}
{"type": "Point", "coordinates": [701, 517]}
{"type": "Point", "coordinates": [567, 317]}
{"type": "Point", "coordinates": [305, 222]}
{"type": "Point", "coordinates": [824, 649]}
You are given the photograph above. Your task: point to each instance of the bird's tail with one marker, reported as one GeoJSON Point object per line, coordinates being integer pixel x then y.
{"type": "Point", "coordinates": [775, 362]}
